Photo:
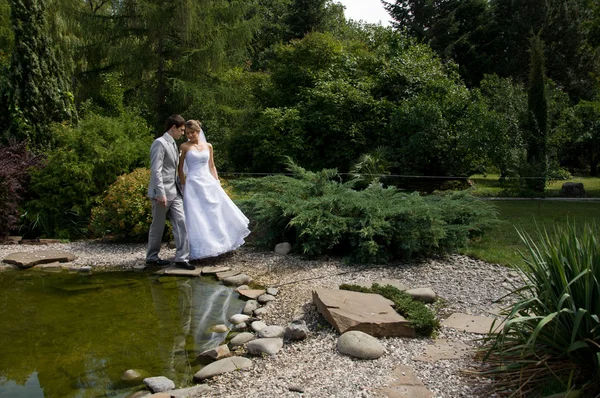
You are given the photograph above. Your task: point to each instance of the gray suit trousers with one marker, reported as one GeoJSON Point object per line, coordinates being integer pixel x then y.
{"type": "Point", "coordinates": [174, 210]}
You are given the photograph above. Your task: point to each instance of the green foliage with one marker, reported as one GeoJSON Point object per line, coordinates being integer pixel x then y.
{"type": "Point", "coordinates": [552, 332]}
{"type": "Point", "coordinates": [40, 91]}
{"type": "Point", "coordinates": [124, 213]}
{"type": "Point", "coordinates": [372, 167]}
{"type": "Point", "coordinates": [582, 129]}
{"type": "Point", "coordinates": [87, 160]}
{"type": "Point", "coordinates": [422, 319]}
{"type": "Point", "coordinates": [320, 214]}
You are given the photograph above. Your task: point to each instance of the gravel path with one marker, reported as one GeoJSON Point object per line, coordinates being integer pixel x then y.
{"type": "Point", "coordinates": [463, 284]}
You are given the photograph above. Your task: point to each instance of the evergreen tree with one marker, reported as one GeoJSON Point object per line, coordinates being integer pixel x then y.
{"type": "Point", "coordinates": [537, 106]}
{"type": "Point", "coordinates": [40, 90]}
{"type": "Point", "coordinates": [305, 16]}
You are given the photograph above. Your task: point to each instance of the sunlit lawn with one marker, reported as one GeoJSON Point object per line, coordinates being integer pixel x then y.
{"type": "Point", "coordinates": [502, 243]}
{"type": "Point", "coordinates": [490, 186]}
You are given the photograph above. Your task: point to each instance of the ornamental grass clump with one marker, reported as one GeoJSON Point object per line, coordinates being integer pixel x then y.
{"type": "Point", "coordinates": [551, 339]}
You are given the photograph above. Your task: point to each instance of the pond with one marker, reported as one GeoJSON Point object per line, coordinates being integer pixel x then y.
{"type": "Point", "coordinates": [74, 335]}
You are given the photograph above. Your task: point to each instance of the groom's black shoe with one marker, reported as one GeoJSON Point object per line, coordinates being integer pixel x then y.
{"type": "Point", "coordinates": [184, 265]}
{"type": "Point", "coordinates": [159, 263]}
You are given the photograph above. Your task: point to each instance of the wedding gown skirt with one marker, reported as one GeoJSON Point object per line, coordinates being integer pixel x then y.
{"type": "Point", "coordinates": [214, 223]}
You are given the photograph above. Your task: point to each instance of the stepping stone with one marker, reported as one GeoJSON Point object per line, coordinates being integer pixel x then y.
{"type": "Point", "coordinates": [472, 324]}
{"type": "Point", "coordinates": [366, 312]}
{"type": "Point", "coordinates": [227, 274]}
{"type": "Point", "coordinates": [27, 260]}
{"type": "Point", "coordinates": [173, 270]}
{"type": "Point", "coordinates": [214, 270]}
{"type": "Point", "coordinates": [221, 366]}
{"type": "Point", "coordinates": [443, 349]}
{"type": "Point", "coordinates": [251, 294]}
{"type": "Point", "coordinates": [359, 345]}
{"type": "Point", "coordinates": [406, 384]}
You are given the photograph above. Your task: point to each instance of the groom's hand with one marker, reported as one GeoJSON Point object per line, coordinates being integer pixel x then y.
{"type": "Point", "coordinates": [162, 200]}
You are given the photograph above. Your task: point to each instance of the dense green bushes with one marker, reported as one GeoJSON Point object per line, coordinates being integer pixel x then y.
{"type": "Point", "coordinates": [551, 335]}
{"type": "Point", "coordinates": [125, 212]}
{"type": "Point", "coordinates": [86, 160]}
{"type": "Point", "coordinates": [319, 213]}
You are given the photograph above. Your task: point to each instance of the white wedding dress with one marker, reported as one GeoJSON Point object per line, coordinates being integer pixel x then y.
{"type": "Point", "coordinates": [214, 223]}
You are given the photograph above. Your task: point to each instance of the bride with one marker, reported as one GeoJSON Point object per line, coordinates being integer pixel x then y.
{"type": "Point", "coordinates": [214, 223]}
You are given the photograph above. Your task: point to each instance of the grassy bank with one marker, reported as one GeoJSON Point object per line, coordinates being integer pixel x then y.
{"type": "Point", "coordinates": [502, 244]}
{"type": "Point", "coordinates": [490, 186]}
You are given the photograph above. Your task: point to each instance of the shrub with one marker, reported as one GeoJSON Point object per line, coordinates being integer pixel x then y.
{"type": "Point", "coordinates": [15, 164]}
{"type": "Point", "coordinates": [422, 319]}
{"type": "Point", "coordinates": [125, 212]}
{"type": "Point", "coordinates": [320, 214]}
{"type": "Point", "coordinates": [551, 335]}
{"type": "Point", "coordinates": [87, 159]}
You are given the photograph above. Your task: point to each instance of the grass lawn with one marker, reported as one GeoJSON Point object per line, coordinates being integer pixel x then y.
{"type": "Point", "coordinates": [490, 186]}
{"type": "Point", "coordinates": [502, 243]}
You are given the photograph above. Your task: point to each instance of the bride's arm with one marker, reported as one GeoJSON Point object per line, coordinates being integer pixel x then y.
{"type": "Point", "coordinates": [213, 169]}
{"type": "Point", "coordinates": [184, 149]}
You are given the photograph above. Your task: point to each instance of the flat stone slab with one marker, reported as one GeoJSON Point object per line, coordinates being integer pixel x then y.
{"type": "Point", "coordinates": [443, 349]}
{"type": "Point", "coordinates": [214, 270]}
{"type": "Point", "coordinates": [227, 274]}
{"type": "Point", "coordinates": [251, 293]}
{"type": "Point", "coordinates": [406, 384]}
{"type": "Point", "coordinates": [27, 260]}
{"type": "Point", "coordinates": [366, 312]}
{"type": "Point", "coordinates": [472, 323]}
{"type": "Point", "coordinates": [173, 270]}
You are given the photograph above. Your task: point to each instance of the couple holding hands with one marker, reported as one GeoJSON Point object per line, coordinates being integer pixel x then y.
{"type": "Point", "coordinates": [185, 187]}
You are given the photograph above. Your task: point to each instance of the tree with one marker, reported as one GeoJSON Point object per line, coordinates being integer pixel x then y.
{"type": "Point", "coordinates": [583, 128]}
{"type": "Point", "coordinates": [537, 107]}
{"type": "Point", "coordinates": [40, 92]}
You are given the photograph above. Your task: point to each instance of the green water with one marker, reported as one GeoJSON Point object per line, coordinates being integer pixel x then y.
{"type": "Point", "coordinates": [73, 335]}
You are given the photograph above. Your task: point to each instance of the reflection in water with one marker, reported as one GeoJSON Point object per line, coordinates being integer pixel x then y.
{"type": "Point", "coordinates": [65, 335]}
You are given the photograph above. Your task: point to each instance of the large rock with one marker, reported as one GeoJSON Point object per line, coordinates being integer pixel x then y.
{"type": "Point", "coordinates": [224, 365]}
{"type": "Point", "coordinates": [198, 390]}
{"type": "Point", "coordinates": [423, 294]}
{"type": "Point", "coordinates": [265, 298]}
{"type": "Point", "coordinates": [359, 345]}
{"type": "Point", "coordinates": [251, 294]}
{"type": "Point", "coordinates": [265, 346]}
{"type": "Point", "coordinates": [239, 318]}
{"type": "Point", "coordinates": [219, 352]}
{"type": "Point", "coordinates": [26, 260]}
{"type": "Point", "coordinates": [366, 312]}
{"type": "Point", "coordinates": [174, 270]}
{"type": "Point", "coordinates": [250, 306]}
{"type": "Point", "coordinates": [159, 384]}
{"type": "Point", "coordinates": [572, 190]}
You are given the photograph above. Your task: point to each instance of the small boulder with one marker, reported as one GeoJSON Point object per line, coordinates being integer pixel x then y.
{"type": "Point", "coordinates": [219, 329]}
{"type": "Point", "coordinates": [296, 330]}
{"type": "Point", "coordinates": [423, 294]}
{"type": "Point", "coordinates": [250, 306]}
{"type": "Point", "coordinates": [240, 327]}
{"type": "Point", "coordinates": [241, 339]}
{"type": "Point", "coordinates": [265, 298]}
{"type": "Point", "coordinates": [132, 375]}
{"type": "Point", "coordinates": [239, 318]}
{"type": "Point", "coordinates": [272, 291]}
{"type": "Point", "coordinates": [572, 190]}
{"type": "Point", "coordinates": [271, 331]}
{"type": "Point", "coordinates": [359, 345]}
{"type": "Point", "coordinates": [159, 384]}
{"type": "Point", "coordinates": [251, 294]}
{"type": "Point", "coordinates": [237, 280]}
{"type": "Point", "coordinates": [283, 248]}
{"type": "Point", "coordinates": [261, 311]}
{"type": "Point", "coordinates": [269, 346]}
{"type": "Point", "coordinates": [258, 325]}
{"type": "Point", "coordinates": [219, 352]}
{"type": "Point", "coordinates": [242, 287]}
{"type": "Point", "coordinates": [221, 366]}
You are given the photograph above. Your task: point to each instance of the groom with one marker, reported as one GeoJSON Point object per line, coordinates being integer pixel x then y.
{"type": "Point", "coordinates": [165, 193]}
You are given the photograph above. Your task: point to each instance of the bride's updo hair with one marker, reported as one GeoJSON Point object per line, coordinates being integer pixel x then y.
{"type": "Point", "coordinates": [193, 125]}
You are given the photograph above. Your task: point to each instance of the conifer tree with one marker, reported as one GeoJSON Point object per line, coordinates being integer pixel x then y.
{"type": "Point", "coordinates": [40, 91]}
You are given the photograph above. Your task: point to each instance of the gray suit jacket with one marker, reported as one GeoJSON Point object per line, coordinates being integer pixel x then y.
{"type": "Point", "coordinates": [164, 159]}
